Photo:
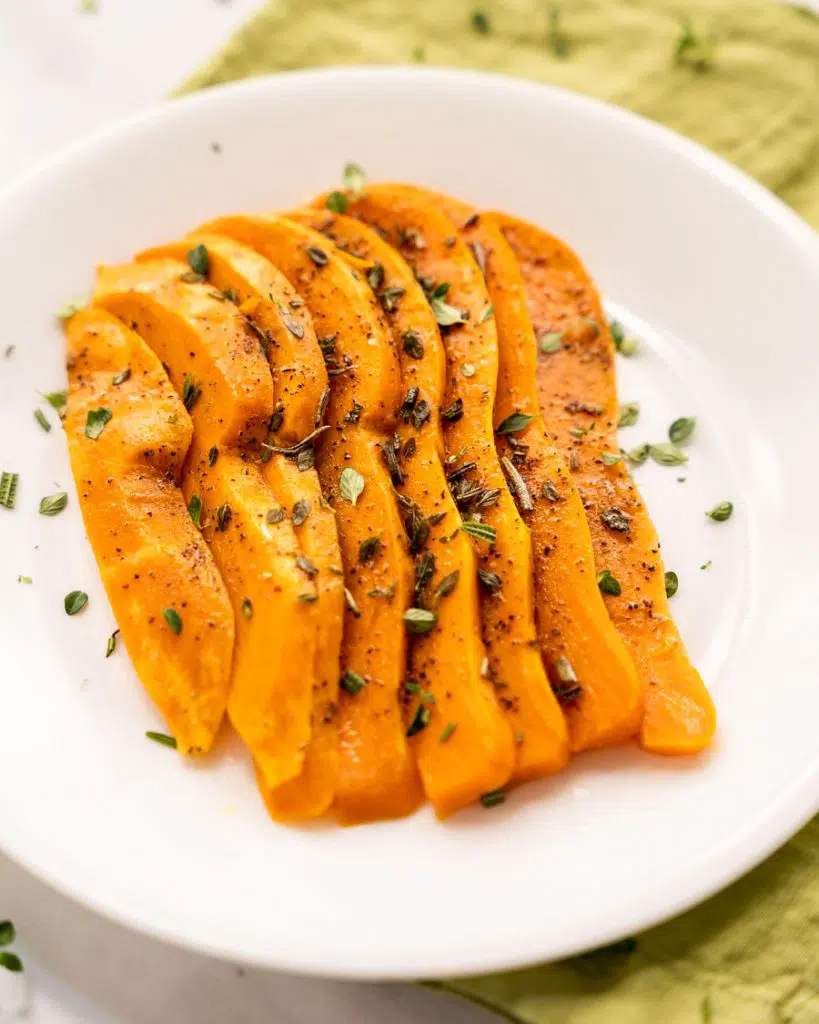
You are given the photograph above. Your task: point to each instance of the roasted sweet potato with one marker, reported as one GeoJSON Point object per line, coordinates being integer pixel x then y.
{"type": "Point", "coordinates": [477, 754]}
{"type": "Point", "coordinates": [217, 364]}
{"type": "Point", "coordinates": [151, 557]}
{"type": "Point", "coordinates": [378, 777]}
{"type": "Point", "coordinates": [279, 317]}
{"type": "Point", "coordinates": [447, 270]}
{"type": "Point", "coordinates": [577, 390]}
{"type": "Point", "coordinates": [577, 637]}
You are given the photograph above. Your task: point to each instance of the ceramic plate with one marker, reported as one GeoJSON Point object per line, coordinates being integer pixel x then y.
{"type": "Point", "coordinates": [720, 283]}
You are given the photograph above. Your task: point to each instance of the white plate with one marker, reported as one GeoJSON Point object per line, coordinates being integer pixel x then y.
{"type": "Point", "coordinates": [725, 283]}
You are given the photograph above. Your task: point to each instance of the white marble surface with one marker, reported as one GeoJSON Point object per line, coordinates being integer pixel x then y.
{"type": "Point", "coordinates": [64, 73]}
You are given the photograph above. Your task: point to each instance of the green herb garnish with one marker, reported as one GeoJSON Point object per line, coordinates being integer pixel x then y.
{"type": "Point", "coordinates": [672, 583]}
{"type": "Point", "coordinates": [629, 414]}
{"type": "Point", "coordinates": [40, 416]}
{"type": "Point", "coordinates": [198, 260]}
{"type": "Point", "coordinates": [337, 202]}
{"type": "Point", "coordinates": [608, 583]}
{"type": "Point", "coordinates": [111, 643]}
{"type": "Point", "coordinates": [616, 520]}
{"type": "Point", "coordinates": [610, 458]}
{"type": "Point", "coordinates": [637, 456]}
{"type": "Point", "coordinates": [486, 312]}
{"type": "Point", "coordinates": [96, 421]}
{"type": "Point", "coordinates": [121, 377]}
{"type": "Point", "coordinates": [419, 620]}
{"type": "Point", "coordinates": [352, 683]}
{"type": "Point", "coordinates": [697, 52]}
{"type": "Point", "coordinates": [301, 510]}
{"type": "Point", "coordinates": [354, 178]}
{"type": "Point", "coordinates": [352, 604]}
{"type": "Point", "coordinates": [75, 602]}
{"type": "Point", "coordinates": [174, 620]}
{"type": "Point", "coordinates": [190, 392]}
{"type": "Point", "coordinates": [195, 510]}
{"type": "Point", "coordinates": [350, 484]}
{"type": "Point", "coordinates": [447, 585]}
{"type": "Point", "coordinates": [482, 531]}
{"type": "Point", "coordinates": [53, 504]}
{"type": "Point", "coordinates": [480, 22]}
{"type": "Point", "coordinates": [449, 728]}
{"type": "Point", "coordinates": [224, 514]}
{"type": "Point", "coordinates": [491, 582]}
{"type": "Point", "coordinates": [667, 454]}
{"type": "Point", "coordinates": [317, 255]}
{"type": "Point", "coordinates": [10, 961]}
{"type": "Point", "coordinates": [682, 429]}
{"type": "Point", "coordinates": [515, 423]}
{"type": "Point", "coordinates": [550, 342]}
{"type": "Point", "coordinates": [493, 798]}
{"type": "Point", "coordinates": [163, 738]}
{"type": "Point", "coordinates": [719, 513]}
{"type": "Point", "coordinates": [369, 549]}
{"type": "Point", "coordinates": [419, 721]}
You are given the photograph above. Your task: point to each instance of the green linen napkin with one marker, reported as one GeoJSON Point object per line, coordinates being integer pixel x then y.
{"type": "Point", "coordinates": [751, 954]}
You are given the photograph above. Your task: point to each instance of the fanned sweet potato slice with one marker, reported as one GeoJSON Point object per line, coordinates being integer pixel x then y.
{"type": "Point", "coordinates": [280, 319]}
{"type": "Point", "coordinates": [216, 363]}
{"type": "Point", "coordinates": [467, 747]}
{"type": "Point", "coordinates": [577, 388]}
{"type": "Point", "coordinates": [377, 777]}
{"type": "Point", "coordinates": [151, 557]}
{"type": "Point", "coordinates": [429, 242]}
{"type": "Point", "coordinates": [576, 634]}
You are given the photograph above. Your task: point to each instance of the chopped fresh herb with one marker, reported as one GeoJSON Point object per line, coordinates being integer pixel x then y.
{"type": "Point", "coordinates": [453, 412]}
{"type": "Point", "coordinates": [390, 298]}
{"type": "Point", "coordinates": [301, 510]}
{"type": "Point", "coordinates": [7, 933]}
{"type": "Point", "coordinates": [550, 342]}
{"type": "Point", "coordinates": [479, 253]}
{"type": "Point", "coordinates": [419, 721]}
{"type": "Point", "coordinates": [111, 643]}
{"type": "Point", "coordinates": [468, 369]}
{"type": "Point", "coordinates": [198, 260]}
{"type": "Point", "coordinates": [24, 579]}
{"type": "Point", "coordinates": [482, 531]}
{"type": "Point", "coordinates": [391, 458]}
{"type": "Point", "coordinates": [419, 54]}
{"type": "Point", "coordinates": [352, 683]}
{"type": "Point", "coordinates": [163, 738]}
{"type": "Point", "coordinates": [719, 513]}
{"type": "Point", "coordinates": [308, 598]}
{"type": "Point", "coordinates": [672, 584]}
{"type": "Point", "coordinates": [549, 492]}
{"type": "Point", "coordinates": [306, 566]}
{"type": "Point", "coordinates": [195, 509]}
{"type": "Point", "coordinates": [610, 458]}
{"type": "Point", "coordinates": [695, 51]}
{"type": "Point", "coordinates": [8, 488]}
{"type": "Point", "coordinates": [445, 314]}
{"type": "Point", "coordinates": [556, 38]}
{"type": "Point", "coordinates": [121, 377]}
{"type": "Point", "coordinates": [517, 485]}
{"type": "Point", "coordinates": [354, 178]}
{"type": "Point", "coordinates": [216, 147]}
{"type": "Point", "coordinates": [9, 351]}
{"type": "Point", "coordinates": [75, 602]}
{"type": "Point", "coordinates": [317, 255]}
{"type": "Point", "coordinates": [493, 798]}
{"type": "Point", "coordinates": [410, 400]}
{"type": "Point", "coordinates": [608, 583]}
{"type": "Point", "coordinates": [275, 515]}
{"type": "Point", "coordinates": [213, 455]}
{"type": "Point", "coordinates": [350, 484]}
{"type": "Point", "coordinates": [637, 456]}
{"type": "Point", "coordinates": [369, 548]}
{"type": "Point", "coordinates": [247, 608]}
{"type": "Point", "coordinates": [224, 514]}
{"type": "Point", "coordinates": [447, 584]}
{"type": "Point", "coordinates": [190, 392]}
{"type": "Point", "coordinates": [629, 414]}
{"type": "Point", "coordinates": [419, 620]}
{"type": "Point", "coordinates": [491, 582]}
{"type": "Point", "coordinates": [515, 423]}
{"type": "Point", "coordinates": [420, 414]}
{"type": "Point", "coordinates": [706, 1013]}
{"type": "Point", "coordinates": [449, 728]}
{"type": "Point", "coordinates": [10, 961]}
{"type": "Point", "coordinates": [306, 459]}
{"type": "Point", "coordinates": [337, 202]}
{"type": "Point", "coordinates": [682, 429]}
{"type": "Point", "coordinates": [293, 326]}
{"type": "Point", "coordinates": [69, 309]}
{"type": "Point", "coordinates": [616, 520]}
{"type": "Point", "coordinates": [40, 416]}
{"type": "Point", "coordinates": [351, 603]}
{"type": "Point", "coordinates": [96, 421]}
{"type": "Point", "coordinates": [486, 312]}
{"type": "Point", "coordinates": [480, 22]}
{"type": "Point", "coordinates": [354, 415]}
{"type": "Point", "coordinates": [566, 689]}
{"type": "Point", "coordinates": [706, 565]}
{"type": "Point", "coordinates": [667, 454]}
{"type": "Point", "coordinates": [174, 620]}
{"type": "Point", "coordinates": [56, 399]}
{"type": "Point", "coordinates": [53, 504]}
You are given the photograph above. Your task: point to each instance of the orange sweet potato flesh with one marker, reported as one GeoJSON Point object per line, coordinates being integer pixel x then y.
{"type": "Point", "coordinates": [572, 619]}
{"type": "Point", "coordinates": [679, 714]}
{"type": "Point", "coordinates": [150, 555]}
{"type": "Point", "coordinates": [407, 216]}
{"type": "Point", "coordinates": [200, 337]}
{"type": "Point", "coordinates": [478, 755]}
{"type": "Point", "coordinates": [377, 773]}
{"type": "Point", "coordinates": [279, 314]}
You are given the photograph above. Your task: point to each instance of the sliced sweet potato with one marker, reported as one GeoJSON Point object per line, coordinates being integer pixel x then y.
{"type": "Point", "coordinates": [577, 389]}
{"type": "Point", "coordinates": [605, 705]}
{"type": "Point", "coordinates": [428, 240]}
{"type": "Point", "coordinates": [150, 555]}
{"type": "Point", "coordinates": [377, 777]}
{"type": "Point", "coordinates": [279, 316]}
{"type": "Point", "coordinates": [477, 753]}
{"type": "Point", "coordinates": [218, 366]}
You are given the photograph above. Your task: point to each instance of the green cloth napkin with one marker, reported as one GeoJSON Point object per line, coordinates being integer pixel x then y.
{"type": "Point", "coordinates": [751, 954]}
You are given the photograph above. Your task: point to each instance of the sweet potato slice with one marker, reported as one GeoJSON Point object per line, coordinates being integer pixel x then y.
{"type": "Point", "coordinates": [577, 388]}
{"type": "Point", "coordinates": [477, 754]}
{"type": "Point", "coordinates": [605, 705]}
{"type": "Point", "coordinates": [377, 775]}
{"type": "Point", "coordinates": [429, 241]}
{"type": "Point", "coordinates": [217, 364]}
{"type": "Point", "coordinates": [280, 318]}
{"type": "Point", "coordinates": [150, 555]}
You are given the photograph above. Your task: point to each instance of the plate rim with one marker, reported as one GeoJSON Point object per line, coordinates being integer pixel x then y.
{"type": "Point", "coordinates": [715, 869]}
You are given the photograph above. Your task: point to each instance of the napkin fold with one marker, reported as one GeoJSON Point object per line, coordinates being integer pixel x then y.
{"type": "Point", "coordinates": [751, 954]}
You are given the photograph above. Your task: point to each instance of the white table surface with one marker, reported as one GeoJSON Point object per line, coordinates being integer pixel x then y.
{"type": "Point", "coordinates": [64, 73]}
